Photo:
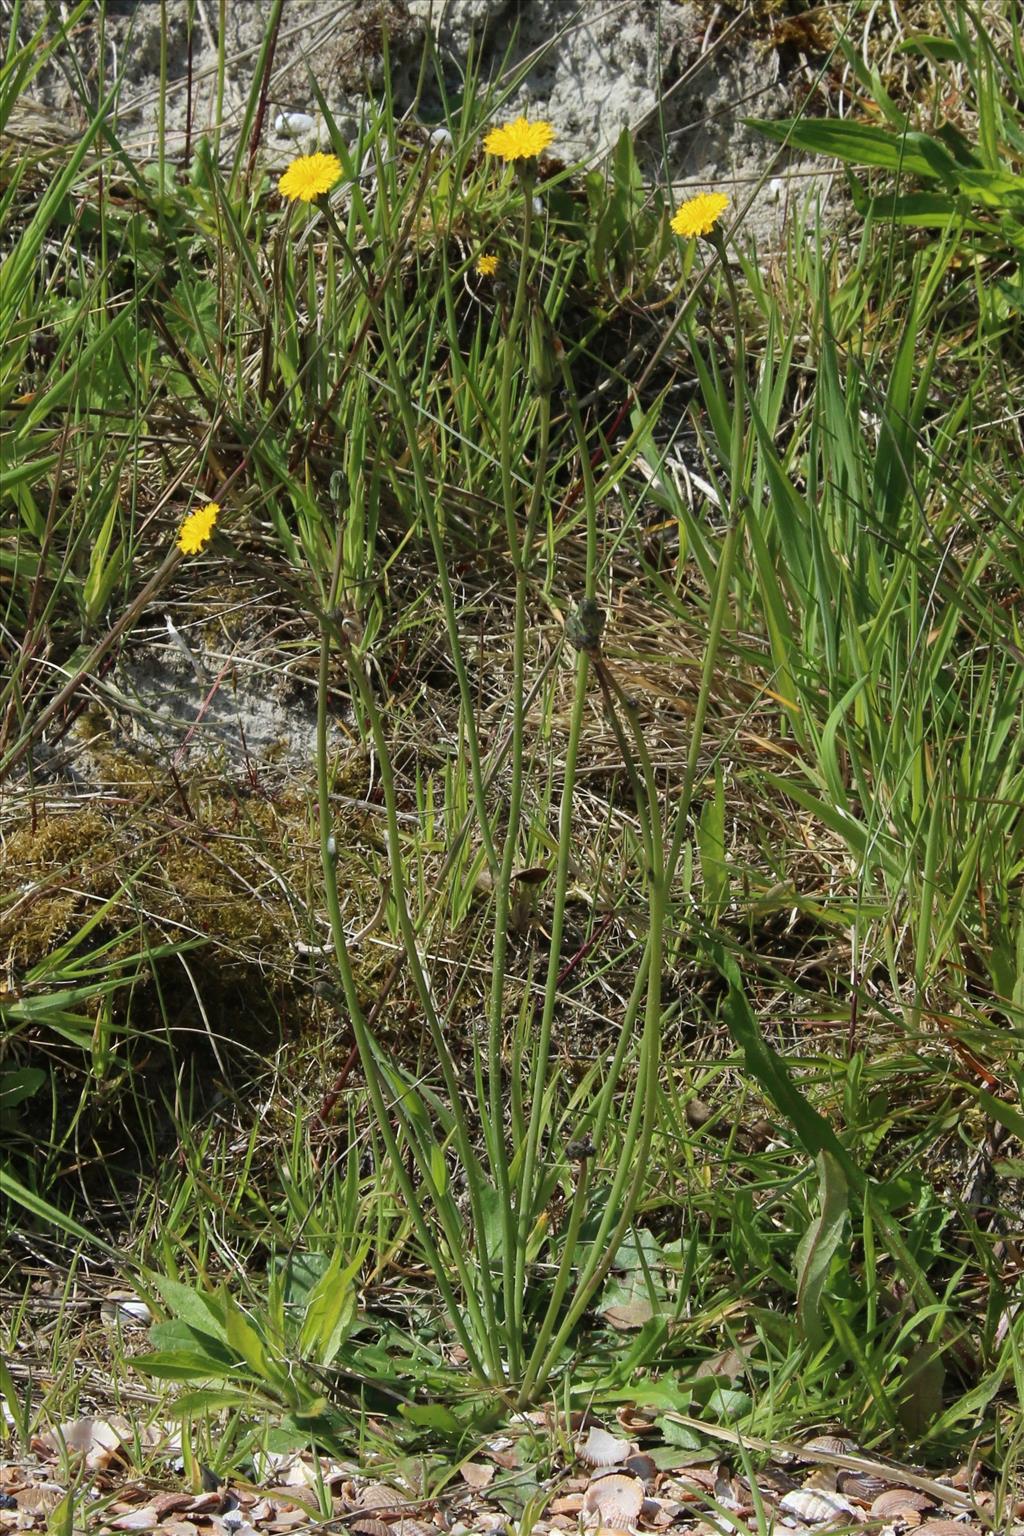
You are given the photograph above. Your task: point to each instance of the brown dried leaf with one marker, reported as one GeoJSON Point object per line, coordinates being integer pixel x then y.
{"type": "Point", "coordinates": [731, 1362]}
{"type": "Point", "coordinates": [566, 1504]}
{"type": "Point", "coordinates": [600, 1449]}
{"type": "Point", "coordinates": [689, 1483]}
{"type": "Point", "coordinates": [171, 1503]}
{"type": "Point", "coordinates": [613, 1500]}
{"type": "Point", "coordinates": [507, 1460]}
{"type": "Point", "coordinates": [536, 874]}
{"type": "Point", "coordinates": [211, 1503]}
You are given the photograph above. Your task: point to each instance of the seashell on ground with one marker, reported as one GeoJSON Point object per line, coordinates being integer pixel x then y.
{"type": "Point", "coordinates": [863, 1486]}
{"type": "Point", "coordinates": [815, 1506]}
{"type": "Point", "coordinates": [379, 1496]}
{"type": "Point", "coordinates": [600, 1449]}
{"type": "Point", "coordinates": [832, 1445]}
{"type": "Point", "coordinates": [903, 1504]}
{"type": "Point", "coordinates": [613, 1500]}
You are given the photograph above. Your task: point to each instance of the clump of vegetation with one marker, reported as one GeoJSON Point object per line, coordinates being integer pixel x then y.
{"type": "Point", "coordinates": [649, 967]}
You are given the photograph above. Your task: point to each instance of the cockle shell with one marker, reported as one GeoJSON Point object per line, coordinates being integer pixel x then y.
{"type": "Point", "coordinates": [815, 1507]}
{"type": "Point", "coordinates": [614, 1500]}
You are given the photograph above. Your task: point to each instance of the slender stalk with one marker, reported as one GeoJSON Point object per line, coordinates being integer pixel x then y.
{"type": "Point", "coordinates": [161, 107]}
{"type": "Point", "coordinates": [631, 1171]}
{"type": "Point", "coordinates": [723, 584]}
{"type": "Point", "coordinates": [528, 1176]}
{"type": "Point", "coordinates": [425, 501]}
{"type": "Point", "coordinates": [497, 1147]}
{"type": "Point", "coordinates": [364, 1041]}
{"type": "Point", "coordinates": [222, 32]}
{"type": "Point", "coordinates": [483, 1322]}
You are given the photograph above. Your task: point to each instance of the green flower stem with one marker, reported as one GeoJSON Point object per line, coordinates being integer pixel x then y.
{"type": "Point", "coordinates": [631, 1169]}
{"type": "Point", "coordinates": [497, 1146]}
{"type": "Point", "coordinates": [632, 1164]}
{"type": "Point", "coordinates": [485, 1323]}
{"type": "Point", "coordinates": [570, 1239]}
{"type": "Point", "coordinates": [364, 1041]}
{"type": "Point", "coordinates": [723, 583]}
{"type": "Point", "coordinates": [425, 500]}
{"type": "Point", "coordinates": [528, 1176]}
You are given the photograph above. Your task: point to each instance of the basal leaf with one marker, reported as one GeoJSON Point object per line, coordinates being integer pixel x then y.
{"type": "Point", "coordinates": [818, 1245]}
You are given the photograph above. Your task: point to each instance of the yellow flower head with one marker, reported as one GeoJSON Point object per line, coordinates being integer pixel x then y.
{"type": "Point", "coordinates": [197, 529]}
{"type": "Point", "coordinates": [309, 177]}
{"type": "Point", "coordinates": [520, 140]}
{"type": "Point", "coordinates": [486, 266]}
{"type": "Point", "coordinates": [699, 215]}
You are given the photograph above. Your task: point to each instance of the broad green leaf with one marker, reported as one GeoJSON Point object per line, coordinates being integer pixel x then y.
{"type": "Point", "coordinates": [175, 1365]}
{"type": "Point", "coordinates": [1006, 1114]}
{"type": "Point", "coordinates": [199, 1309]}
{"type": "Point", "coordinates": [194, 1343]}
{"type": "Point", "coordinates": [912, 153]}
{"type": "Point", "coordinates": [19, 1085]}
{"type": "Point", "coordinates": [246, 1339]}
{"type": "Point", "coordinates": [214, 1399]}
{"type": "Point", "coordinates": [818, 1245]}
{"type": "Point", "coordinates": [330, 1314]}
{"type": "Point", "coordinates": [104, 570]}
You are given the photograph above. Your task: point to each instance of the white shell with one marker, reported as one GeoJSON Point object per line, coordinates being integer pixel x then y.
{"type": "Point", "coordinates": [292, 125]}
{"type": "Point", "coordinates": [614, 1500]}
{"type": "Point", "coordinates": [815, 1507]}
{"type": "Point", "coordinates": [600, 1449]}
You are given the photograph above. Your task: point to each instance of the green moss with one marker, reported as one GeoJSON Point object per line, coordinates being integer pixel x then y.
{"type": "Point", "coordinates": [186, 859]}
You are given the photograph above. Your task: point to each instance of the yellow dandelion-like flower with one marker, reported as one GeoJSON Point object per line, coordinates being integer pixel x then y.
{"type": "Point", "coordinates": [309, 177]}
{"type": "Point", "coordinates": [197, 529]}
{"type": "Point", "coordinates": [520, 140]}
{"type": "Point", "coordinates": [699, 215]}
{"type": "Point", "coordinates": [486, 266]}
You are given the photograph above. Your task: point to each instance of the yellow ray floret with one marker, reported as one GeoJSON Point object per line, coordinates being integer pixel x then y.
{"type": "Point", "coordinates": [700, 214]}
{"type": "Point", "coordinates": [309, 177]}
{"type": "Point", "coordinates": [486, 266]}
{"type": "Point", "coordinates": [197, 529]}
{"type": "Point", "coordinates": [520, 140]}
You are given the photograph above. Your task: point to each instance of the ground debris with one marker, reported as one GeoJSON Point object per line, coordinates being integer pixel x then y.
{"type": "Point", "coordinates": [607, 1486]}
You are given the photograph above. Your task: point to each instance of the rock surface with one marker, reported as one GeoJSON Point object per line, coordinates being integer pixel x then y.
{"type": "Point", "coordinates": [678, 73]}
